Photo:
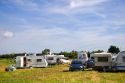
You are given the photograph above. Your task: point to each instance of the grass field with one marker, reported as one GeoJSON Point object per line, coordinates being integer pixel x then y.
{"type": "Point", "coordinates": [56, 74]}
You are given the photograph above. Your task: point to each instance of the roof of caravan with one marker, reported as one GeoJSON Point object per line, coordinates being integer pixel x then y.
{"type": "Point", "coordinates": [121, 53]}
{"type": "Point", "coordinates": [21, 54]}
{"type": "Point", "coordinates": [54, 55]}
{"type": "Point", "coordinates": [101, 54]}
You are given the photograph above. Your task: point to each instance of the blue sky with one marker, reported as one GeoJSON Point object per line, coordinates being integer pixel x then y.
{"type": "Point", "coordinates": [61, 25]}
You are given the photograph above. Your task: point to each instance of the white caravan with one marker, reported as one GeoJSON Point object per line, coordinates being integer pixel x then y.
{"type": "Point", "coordinates": [119, 61]}
{"type": "Point", "coordinates": [82, 56]}
{"type": "Point", "coordinates": [107, 61]}
{"type": "Point", "coordinates": [54, 59]}
{"type": "Point", "coordinates": [102, 60]}
{"type": "Point", "coordinates": [30, 60]}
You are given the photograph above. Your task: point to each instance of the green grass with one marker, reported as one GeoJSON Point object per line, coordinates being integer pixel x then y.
{"type": "Point", "coordinates": [56, 74]}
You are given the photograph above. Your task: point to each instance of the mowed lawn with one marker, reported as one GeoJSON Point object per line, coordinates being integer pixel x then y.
{"type": "Point", "coordinates": [57, 74]}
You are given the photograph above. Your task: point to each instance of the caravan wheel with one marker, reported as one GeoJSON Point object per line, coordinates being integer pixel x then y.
{"type": "Point", "coordinates": [114, 69]}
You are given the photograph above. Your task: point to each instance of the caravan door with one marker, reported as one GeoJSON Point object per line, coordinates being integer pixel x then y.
{"type": "Point", "coordinates": [24, 61]}
{"type": "Point", "coordinates": [19, 62]}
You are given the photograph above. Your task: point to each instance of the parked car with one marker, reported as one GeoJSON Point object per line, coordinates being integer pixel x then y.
{"type": "Point", "coordinates": [89, 63]}
{"type": "Point", "coordinates": [76, 65]}
{"type": "Point", "coordinates": [64, 61]}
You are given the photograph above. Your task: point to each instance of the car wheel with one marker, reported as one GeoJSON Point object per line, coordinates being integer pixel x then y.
{"type": "Point", "coordinates": [83, 69]}
{"type": "Point", "coordinates": [70, 69]}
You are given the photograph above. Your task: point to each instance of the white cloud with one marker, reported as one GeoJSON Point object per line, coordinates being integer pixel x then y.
{"type": "Point", "coordinates": [35, 38]}
{"type": "Point", "coordinates": [117, 22]}
{"type": "Point", "coordinates": [85, 3]}
{"type": "Point", "coordinates": [25, 4]}
{"type": "Point", "coordinates": [79, 7]}
{"type": "Point", "coordinates": [100, 14]}
{"type": "Point", "coordinates": [72, 6]}
{"type": "Point", "coordinates": [8, 34]}
{"type": "Point", "coordinates": [60, 39]}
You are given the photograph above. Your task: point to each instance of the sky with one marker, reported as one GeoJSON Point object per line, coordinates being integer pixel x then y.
{"type": "Point", "coordinates": [61, 25]}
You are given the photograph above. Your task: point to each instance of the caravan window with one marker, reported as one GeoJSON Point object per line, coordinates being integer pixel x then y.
{"type": "Point", "coordinates": [50, 58]}
{"type": "Point", "coordinates": [39, 54]}
{"type": "Point", "coordinates": [29, 60]}
{"type": "Point", "coordinates": [92, 58]}
{"type": "Point", "coordinates": [102, 59]}
{"type": "Point", "coordinates": [39, 60]}
{"type": "Point", "coordinates": [123, 59]}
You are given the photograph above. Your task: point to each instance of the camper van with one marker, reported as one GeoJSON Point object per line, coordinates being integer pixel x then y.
{"type": "Point", "coordinates": [82, 56]}
{"type": "Point", "coordinates": [102, 61]}
{"type": "Point", "coordinates": [119, 61]}
{"type": "Point", "coordinates": [30, 60]}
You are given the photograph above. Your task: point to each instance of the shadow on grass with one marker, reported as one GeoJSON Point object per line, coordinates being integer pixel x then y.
{"type": "Point", "coordinates": [66, 71]}
{"type": "Point", "coordinates": [111, 71]}
{"type": "Point", "coordinates": [77, 70]}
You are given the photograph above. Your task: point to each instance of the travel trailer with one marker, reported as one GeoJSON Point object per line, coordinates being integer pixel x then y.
{"type": "Point", "coordinates": [30, 60]}
{"type": "Point", "coordinates": [119, 61]}
{"type": "Point", "coordinates": [54, 59]}
{"type": "Point", "coordinates": [102, 61]}
{"type": "Point", "coordinates": [108, 61]}
{"type": "Point", "coordinates": [82, 56]}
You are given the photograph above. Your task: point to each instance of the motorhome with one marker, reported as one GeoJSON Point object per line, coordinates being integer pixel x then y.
{"type": "Point", "coordinates": [82, 56]}
{"type": "Point", "coordinates": [30, 60]}
{"type": "Point", "coordinates": [102, 61]}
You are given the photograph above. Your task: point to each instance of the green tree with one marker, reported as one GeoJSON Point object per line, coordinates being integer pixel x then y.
{"type": "Point", "coordinates": [72, 54]}
{"type": "Point", "coordinates": [45, 51]}
{"type": "Point", "coordinates": [113, 49]}
{"type": "Point", "coordinates": [11, 56]}
{"type": "Point", "coordinates": [66, 54]}
{"type": "Point", "coordinates": [98, 51]}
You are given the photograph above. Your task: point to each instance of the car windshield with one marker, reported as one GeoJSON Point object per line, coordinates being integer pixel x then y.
{"type": "Point", "coordinates": [76, 62]}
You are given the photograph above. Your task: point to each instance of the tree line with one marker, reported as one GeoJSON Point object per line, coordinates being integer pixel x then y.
{"type": "Point", "coordinates": [72, 54]}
